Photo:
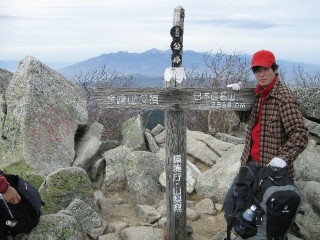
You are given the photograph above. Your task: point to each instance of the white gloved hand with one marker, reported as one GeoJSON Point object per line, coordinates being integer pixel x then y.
{"type": "Point", "coordinates": [235, 86]}
{"type": "Point", "coordinates": [277, 162]}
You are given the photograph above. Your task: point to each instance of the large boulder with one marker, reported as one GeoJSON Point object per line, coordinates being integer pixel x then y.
{"type": "Point", "coordinates": [61, 187]}
{"type": "Point", "coordinates": [44, 111]}
{"type": "Point", "coordinates": [143, 169]}
{"type": "Point", "coordinates": [314, 128]}
{"type": "Point", "coordinates": [200, 145]}
{"type": "Point", "coordinates": [308, 218]}
{"type": "Point", "coordinates": [89, 219]}
{"type": "Point", "coordinates": [115, 177]}
{"type": "Point", "coordinates": [309, 101]}
{"type": "Point", "coordinates": [133, 134]}
{"type": "Point", "coordinates": [87, 147]}
{"type": "Point", "coordinates": [307, 164]}
{"type": "Point", "coordinates": [56, 227]}
{"type": "Point", "coordinates": [215, 182]}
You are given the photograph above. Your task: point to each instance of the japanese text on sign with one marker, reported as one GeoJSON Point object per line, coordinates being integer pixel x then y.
{"type": "Point", "coordinates": [176, 169]}
{"type": "Point", "coordinates": [219, 100]}
{"type": "Point", "coordinates": [133, 99]}
{"type": "Point", "coordinates": [215, 96]}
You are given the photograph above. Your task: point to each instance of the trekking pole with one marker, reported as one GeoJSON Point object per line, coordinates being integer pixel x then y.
{"type": "Point", "coordinates": [11, 222]}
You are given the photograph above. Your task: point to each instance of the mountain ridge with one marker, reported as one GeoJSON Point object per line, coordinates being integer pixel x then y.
{"type": "Point", "coordinates": [150, 64]}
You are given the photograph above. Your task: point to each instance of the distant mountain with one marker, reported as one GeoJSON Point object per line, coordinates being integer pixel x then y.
{"type": "Point", "coordinates": [147, 68]}
{"type": "Point", "coordinates": [151, 63]}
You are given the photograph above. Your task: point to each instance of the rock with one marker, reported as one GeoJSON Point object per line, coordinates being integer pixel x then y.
{"type": "Point", "coordinates": [107, 145]}
{"type": "Point", "coordinates": [110, 236]}
{"type": "Point", "coordinates": [307, 166]}
{"type": "Point", "coordinates": [90, 220]}
{"type": "Point", "coordinates": [143, 169]}
{"type": "Point", "coordinates": [148, 213]}
{"type": "Point", "coordinates": [115, 176]}
{"type": "Point", "coordinates": [61, 187]}
{"type": "Point", "coordinates": [136, 233]}
{"type": "Point", "coordinates": [308, 218]}
{"type": "Point", "coordinates": [157, 130]}
{"type": "Point", "coordinates": [56, 227]}
{"type": "Point", "coordinates": [44, 110]}
{"type": "Point", "coordinates": [163, 210]}
{"type": "Point", "coordinates": [133, 134]}
{"type": "Point", "coordinates": [228, 138]}
{"type": "Point", "coordinates": [215, 182]}
{"type": "Point", "coordinates": [5, 78]}
{"type": "Point", "coordinates": [97, 174]}
{"type": "Point", "coordinates": [308, 99]}
{"type": "Point", "coordinates": [200, 145]}
{"type": "Point", "coordinates": [87, 147]}
{"type": "Point", "coordinates": [152, 144]}
{"type": "Point", "coordinates": [105, 205]}
{"type": "Point", "coordinates": [191, 177]}
{"type": "Point", "coordinates": [192, 214]}
{"type": "Point", "coordinates": [117, 226]}
{"type": "Point", "coordinates": [314, 128]}
{"type": "Point", "coordinates": [160, 138]}
{"type": "Point", "coordinates": [206, 206]}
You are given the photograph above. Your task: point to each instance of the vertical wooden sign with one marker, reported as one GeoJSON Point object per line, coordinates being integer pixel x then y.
{"type": "Point", "coordinates": [175, 125]}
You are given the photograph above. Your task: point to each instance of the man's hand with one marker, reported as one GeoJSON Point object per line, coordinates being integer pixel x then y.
{"type": "Point", "coordinates": [11, 196]}
{"type": "Point", "coordinates": [277, 162]}
{"type": "Point", "coordinates": [235, 86]}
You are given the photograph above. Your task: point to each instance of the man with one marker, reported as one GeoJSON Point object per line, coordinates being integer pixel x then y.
{"type": "Point", "coordinates": [276, 133]}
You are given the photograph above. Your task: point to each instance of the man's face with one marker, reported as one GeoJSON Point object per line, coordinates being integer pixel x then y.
{"type": "Point", "coordinates": [264, 76]}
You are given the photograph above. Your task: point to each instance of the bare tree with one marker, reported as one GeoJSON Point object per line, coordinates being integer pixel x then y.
{"type": "Point", "coordinates": [303, 79]}
{"type": "Point", "coordinates": [223, 69]}
{"type": "Point", "coordinates": [101, 76]}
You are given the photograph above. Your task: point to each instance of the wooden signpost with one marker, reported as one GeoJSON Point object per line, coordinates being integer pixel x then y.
{"type": "Point", "coordinates": [174, 100]}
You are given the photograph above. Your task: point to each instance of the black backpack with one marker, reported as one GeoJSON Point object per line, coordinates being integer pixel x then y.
{"type": "Point", "coordinates": [277, 199]}
{"type": "Point", "coordinates": [22, 217]}
{"type": "Point", "coordinates": [241, 199]}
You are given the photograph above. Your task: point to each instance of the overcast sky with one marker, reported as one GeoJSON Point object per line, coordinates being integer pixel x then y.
{"type": "Point", "coordinates": [74, 30]}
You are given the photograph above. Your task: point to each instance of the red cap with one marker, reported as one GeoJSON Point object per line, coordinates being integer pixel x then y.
{"type": "Point", "coordinates": [263, 58]}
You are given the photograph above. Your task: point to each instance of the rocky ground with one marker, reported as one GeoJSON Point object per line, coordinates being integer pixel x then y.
{"type": "Point", "coordinates": [123, 215]}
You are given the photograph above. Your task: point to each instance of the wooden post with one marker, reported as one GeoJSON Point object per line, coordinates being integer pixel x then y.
{"type": "Point", "coordinates": [176, 145]}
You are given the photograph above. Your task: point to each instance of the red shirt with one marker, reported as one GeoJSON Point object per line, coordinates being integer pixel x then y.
{"type": "Point", "coordinates": [255, 135]}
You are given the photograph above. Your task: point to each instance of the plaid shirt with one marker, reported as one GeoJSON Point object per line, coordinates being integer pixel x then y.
{"type": "Point", "coordinates": [283, 132]}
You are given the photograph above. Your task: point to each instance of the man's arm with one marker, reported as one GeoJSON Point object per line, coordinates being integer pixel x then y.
{"type": "Point", "coordinates": [295, 128]}
{"type": "Point", "coordinates": [10, 195]}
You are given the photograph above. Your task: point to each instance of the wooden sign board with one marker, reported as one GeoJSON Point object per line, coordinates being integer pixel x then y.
{"type": "Point", "coordinates": [174, 98]}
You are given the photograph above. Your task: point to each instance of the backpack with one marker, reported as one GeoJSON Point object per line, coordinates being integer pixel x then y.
{"type": "Point", "coordinates": [241, 199]}
{"type": "Point", "coordinates": [22, 217]}
{"type": "Point", "coordinates": [277, 199]}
